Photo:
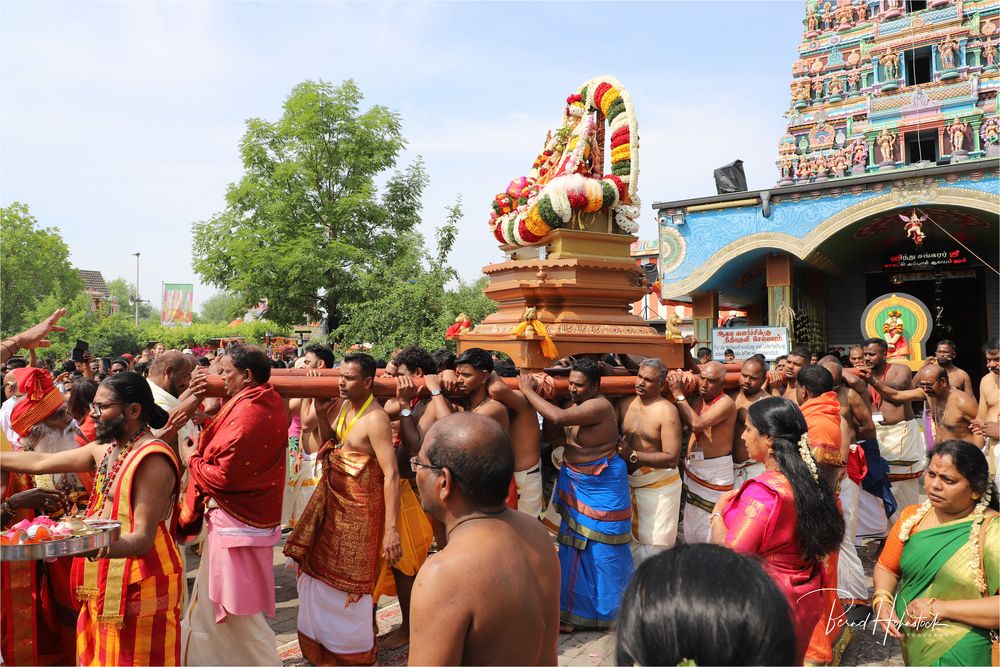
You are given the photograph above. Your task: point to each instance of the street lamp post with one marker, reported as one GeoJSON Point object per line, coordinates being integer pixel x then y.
{"type": "Point", "coordinates": [136, 288]}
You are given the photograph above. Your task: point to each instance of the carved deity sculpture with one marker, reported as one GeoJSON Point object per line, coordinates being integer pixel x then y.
{"type": "Point", "coordinates": [787, 165]}
{"type": "Point", "coordinates": [827, 16]}
{"type": "Point", "coordinates": [853, 77]}
{"type": "Point", "coordinates": [862, 11]}
{"type": "Point", "coordinates": [800, 91]}
{"type": "Point", "coordinates": [802, 170]}
{"type": "Point", "coordinates": [957, 131]}
{"type": "Point", "coordinates": [820, 166]}
{"type": "Point", "coordinates": [990, 131]}
{"type": "Point", "coordinates": [818, 88]}
{"type": "Point", "coordinates": [890, 61]}
{"type": "Point", "coordinates": [886, 139]}
{"type": "Point", "coordinates": [990, 53]}
{"type": "Point", "coordinates": [841, 162]}
{"type": "Point", "coordinates": [948, 48]}
{"type": "Point", "coordinates": [836, 86]}
{"type": "Point", "coordinates": [812, 21]}
{"type": "Point", "coordinates": [892, 331]}
{"type": "Point", "coordinates": [860, 151]}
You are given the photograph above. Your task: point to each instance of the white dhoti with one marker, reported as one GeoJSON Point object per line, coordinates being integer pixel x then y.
{"type": "Point", "coordinates": [551, 517]}
{"type": "Point", "coordinates": [300, 490]}
{"type": "Point", "coordinates": [237, 640]}
{"type": "Point", "coordinates": [903, 447]}
{"type": "Point", "coordinates": [325, 618]}
{"type": "Point", "coordinates": [851, 581]}
{"type": "Point", "coordinates": [743, 472]}
{"type": "Point", "coordinates": [870, 521]}
{"type": "Point", "coordinates": [656, 507]}
{"type": "Point", "coordinates": [705, 480]}
{"type": "Point", "coordinates": [529, 490]}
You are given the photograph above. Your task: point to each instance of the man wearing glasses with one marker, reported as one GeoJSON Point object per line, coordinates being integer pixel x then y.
{"type": "Point", "coordinates": [350, 518]}
{"type": "Point", "coordinates": [492, 595]}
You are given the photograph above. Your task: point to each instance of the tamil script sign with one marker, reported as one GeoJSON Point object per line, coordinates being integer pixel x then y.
{"type": "Point", "coordinates": [772, 342]}
{"type": "Point", "coordinates": [177, 305]}
{"type": "Point", "coordinates": [906, 260]}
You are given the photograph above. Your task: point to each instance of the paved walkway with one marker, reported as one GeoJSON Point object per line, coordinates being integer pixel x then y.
{"type": "Point", "coordinates": [579, 648]}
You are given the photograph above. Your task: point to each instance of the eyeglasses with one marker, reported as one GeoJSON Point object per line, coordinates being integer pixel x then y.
{"type": "Point", "coordinates": [414, 464]}
{"type": "Point", "coordinates": [100, 407]}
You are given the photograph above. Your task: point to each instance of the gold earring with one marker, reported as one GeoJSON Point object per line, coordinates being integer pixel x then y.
{"type": "Point", "coordinates": [975, 496]}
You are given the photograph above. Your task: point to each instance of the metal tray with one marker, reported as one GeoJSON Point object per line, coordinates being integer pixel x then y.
{"type": "Point", "coordinates": [105, 532]}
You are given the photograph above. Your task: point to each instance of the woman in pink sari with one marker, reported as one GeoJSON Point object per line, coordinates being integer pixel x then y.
{"type": "Point", "coordinates": [787, 515]}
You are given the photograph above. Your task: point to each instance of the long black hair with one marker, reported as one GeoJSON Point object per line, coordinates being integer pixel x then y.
{"type": "Point", "coordinates": [674, 609]}
{"type": "Point", "coordinates": [130, 387]}
{"type": "Point", "coordinates": [81, 395]}
{"type": "Point", "coordinates": [820, 525]}
{"type": "Point", "coordinates": [971, 464]}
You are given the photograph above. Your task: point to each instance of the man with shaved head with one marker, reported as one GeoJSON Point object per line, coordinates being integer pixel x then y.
{"type": "Point", "coordinates": [753, 374]}
{"type": "Point", "coordinates": [953, 410]}
{"type": "Point", "coordinates": [708, 468]}
{"type": "Point", "coordinates": [492, 595]}
{"type": "Point", "coordinates": [170, 380]}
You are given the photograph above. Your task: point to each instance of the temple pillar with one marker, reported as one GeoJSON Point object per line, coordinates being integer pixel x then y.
{"type": "Point", "coordinates": [705, 315]}
{"type": "Point", "coordinates": [779, 285]}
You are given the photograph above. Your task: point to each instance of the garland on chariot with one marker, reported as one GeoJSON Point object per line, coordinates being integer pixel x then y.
{"type": "Point", "coordinates": [566, 180]}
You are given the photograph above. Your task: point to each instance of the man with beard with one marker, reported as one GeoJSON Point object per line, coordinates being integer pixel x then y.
{"type": "Point", "coordinates": [708, 468]}
{"type": "Point", "coordinates": [415, 533]}
{"type": "Point", "coordinates": [459, 616]}
{"type": "Point", "coordinates": [786, 385]}
{"type": "Point", "coordinates": [236, 480]}
{"type": "Point", "coordinates": [592, 497]}
{"type": "Point", "coordinates": [987, 423]}
{"type": "Point", "coordinates": [651, 444]}
{"type": "Point", "coordinates": [130, 613]}
{"type": "Point", "coordinates": [170, 380]}
{"type": "Point", "coordinates": [944, 356]}
{"type": "Point", "coordinates": [349, 523]}
{"type": "Point", "coordinates": [753, 374]}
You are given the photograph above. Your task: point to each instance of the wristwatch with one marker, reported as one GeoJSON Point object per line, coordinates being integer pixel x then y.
{"type": "Point", "coordinates": [405, 412]}
{"type": "Point", "coordinates": [680, 398]}
{"type": "Point", "coordinates": [435, 392]}
{"type": "Point", "coordinates": [633, 457]}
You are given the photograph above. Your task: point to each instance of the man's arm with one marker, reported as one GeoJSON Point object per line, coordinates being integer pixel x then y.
{"type": "Point", "coordinates": [585, 414]}
{"type": "Point", "coordinates": [438, 626]}
{"type": "Point", "coordinates": [33, 337]}
{"type": "Point", "coordinates": [79, 459]}
{"type": "Point", "coordinates": [862, 415]}
{"type": "Point", "coordinates": [380, 437]}
{"type": "Point", "coordinates": [154, 485]}
{"type": "Point", "coordinates": [896, 387]}
{"type": "Point", "coordinates": [498, 413]}
{"type": "Point", "coordinates": [965, 383]}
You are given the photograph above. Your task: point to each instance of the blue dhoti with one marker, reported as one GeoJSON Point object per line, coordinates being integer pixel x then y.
{"type": "Point", "coordinates": [594, 555]}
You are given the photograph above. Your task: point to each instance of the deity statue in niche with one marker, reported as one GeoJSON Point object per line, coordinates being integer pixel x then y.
{"type": "Point", "coordinates": [957, 131]}
{"type": "Point", "coordinates": [812, 22]}
{"type": "Point", "coordinates": [948, 48]}
{"type": "Point", "coordinates": [802, 169]}
{"type": "Point", "coordinates": [990, 54]}
{"type": "Point", "coordinates": [895, 338]}
{"type": "Point", "coordinates": [841, 162]}
{"type": "Point", "coordinates": [836, 87]}
{"type": "Point", "coordinates": [844, 14]}
{"type": "Point", "coordinates": [787, 165]}
{"type": "Point", "coordinates": [853, 77]}
{"type": "Point", "coordinates": [860, 148]}
{"type": "Point", "coordinates": [818, 89]}
{"type": "Point", "coordinates": [890, 61]}
{"type": "Point", "coordinates": [990, 131]}
{"type": "Point", "coordinates": [886, 140]}
{"type": "Point", "coordinates": [820, 166]}
{"type": "Point", "coordinates": [827, 16]}
{"type": "Point", "coordinates": [862, 11]}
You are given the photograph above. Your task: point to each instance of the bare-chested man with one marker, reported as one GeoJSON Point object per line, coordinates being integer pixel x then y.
{"type": "Point", "coordinates": [987, 424]}
{"type": "Point", "coordinates": [855, 423]}
{"type": "Point", "coordinates": [753, 374]}
{"type": "Point", "coordinates": [491, 597]}
{"type": "Point", "coordinates": [304, 472]}
{"type": "Point", "coordinates": [944, 356]}
{"type": "Point", "coordinates": [899, 438]}
{"type": "Point", "coordinates": [856, 355]}
{"type": "Point", "coordinates": [473, 369]}
{"type": "Point", "coordinates": [350, 521]}
{"type": "Point", "coordinates": [651, 443]}
{"type": "Point", "coordinates": [708, 468]}
{"type": "Point", "coordinates": [786, 385]}
{"type": "Point", "coordinates": [525, 438]}
{"type": "Point", "coordinates": [594, 555]}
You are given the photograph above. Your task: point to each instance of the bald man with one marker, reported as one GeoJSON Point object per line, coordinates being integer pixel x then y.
{"type": "Point", "coordinates": [170, 380]}
{"type": "Point", "coordinates": [492, 596]}
{"type": "Point", "coordinates": [708, 468]}
{"type": "Point", "coordinates": [953, 410]}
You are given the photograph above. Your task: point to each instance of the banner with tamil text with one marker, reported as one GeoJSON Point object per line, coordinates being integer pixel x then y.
{"type": "Point", "coordinates": [745, 342]}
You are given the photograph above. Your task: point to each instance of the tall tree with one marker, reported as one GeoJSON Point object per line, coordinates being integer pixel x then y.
{"type": "Point", "coordinates": [35, 265]}
{"type": "Point", "coordinates": [221, 307]}
{"type": "Point", "coordinates": [124, 292]}
{"type": "Point", "coordinates": [307, 219]}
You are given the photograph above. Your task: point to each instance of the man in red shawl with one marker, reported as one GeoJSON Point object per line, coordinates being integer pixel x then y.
{"type": "Point", "coordinates": [236, 483]}
{"type": "Point", "coordinates": [819, 405]}
{"type": "Point", "coordinates": [42, 424]}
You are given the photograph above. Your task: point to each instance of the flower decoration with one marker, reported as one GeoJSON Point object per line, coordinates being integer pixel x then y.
{"type": "Point", "coordinates": [563, 179]}
{"type": "Point", "coordinates": [805, 451]}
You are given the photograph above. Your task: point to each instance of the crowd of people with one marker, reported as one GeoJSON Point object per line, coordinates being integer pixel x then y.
{"type": "Point", "coordinates": [713, 515]}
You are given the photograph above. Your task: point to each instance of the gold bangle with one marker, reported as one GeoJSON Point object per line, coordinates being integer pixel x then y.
{"type": "Point", "coordinates": [930, 607]}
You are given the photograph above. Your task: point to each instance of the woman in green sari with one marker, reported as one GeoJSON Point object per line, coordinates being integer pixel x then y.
{"type": "Point", "coordinates": [932, 590]}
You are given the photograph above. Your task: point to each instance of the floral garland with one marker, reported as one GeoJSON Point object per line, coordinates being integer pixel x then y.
{"type": "Point", "coordinates": [561, 183]}
{"type": "Point", "coordinates": [978, 516]}
{"type": "Point", "coordinates": [805, 451]}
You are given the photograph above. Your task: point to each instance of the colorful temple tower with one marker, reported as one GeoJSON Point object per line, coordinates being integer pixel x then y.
{"type": "Point", "coordinates": [887, 188]}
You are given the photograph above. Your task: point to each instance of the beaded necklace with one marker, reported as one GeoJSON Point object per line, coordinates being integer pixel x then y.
{"type": "Point", "coordinates": [103, 481]}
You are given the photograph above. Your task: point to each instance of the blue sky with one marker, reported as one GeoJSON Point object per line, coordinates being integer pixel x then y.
{"type": "Point", "coordinates": [121, 121]}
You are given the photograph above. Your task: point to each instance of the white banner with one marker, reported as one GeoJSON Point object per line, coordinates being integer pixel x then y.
{"type": "Point", "coordinates": [772, 342]}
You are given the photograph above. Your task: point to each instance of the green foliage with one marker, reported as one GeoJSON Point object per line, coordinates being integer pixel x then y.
{"type": "Point", "coordinates": [222, 307]}
{"type": "Point", "coordinates": [306, 222]}
{"type": "Point", "coordinates": [124, 292]}
{"type": "Point", "coordinates": [409, 304]}
{"type": "Point", "coordinates": [35, 265]}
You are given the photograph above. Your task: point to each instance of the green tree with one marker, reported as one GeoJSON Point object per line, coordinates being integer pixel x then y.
{"type": "Point", "coordinates": [222, 307]}
{"type": "Point", "coordinates": [35, 265]}
{"type": "Point", "coordinates": [124, 293]}
{"type": "Point", "coordinates": [307, 219]}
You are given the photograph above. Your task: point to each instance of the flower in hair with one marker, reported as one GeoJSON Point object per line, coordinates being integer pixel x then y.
{"type": "Point", "coordinates": [807, 457]}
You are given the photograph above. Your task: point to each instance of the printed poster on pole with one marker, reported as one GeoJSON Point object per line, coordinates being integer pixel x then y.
{"type": "Point", "coordinates": [177, 305]}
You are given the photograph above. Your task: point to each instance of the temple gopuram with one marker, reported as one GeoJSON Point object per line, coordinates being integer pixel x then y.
{"type": "Point", "coordinates": [884, 216]}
